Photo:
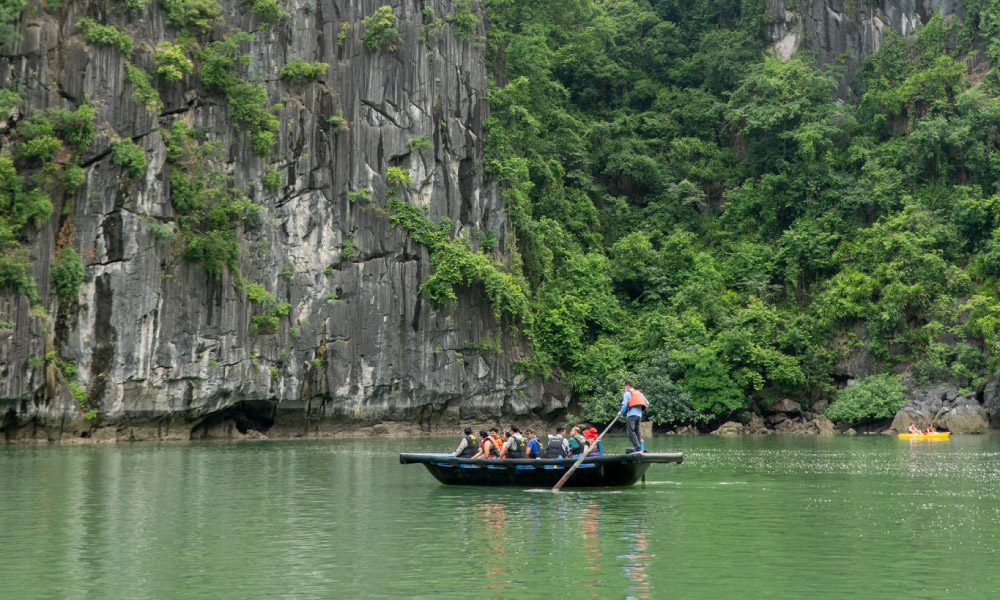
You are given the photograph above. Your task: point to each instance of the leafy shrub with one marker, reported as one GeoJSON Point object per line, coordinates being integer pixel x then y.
{"type": "Point", "coordinates": [74, 128]}
{"type": "Point", "coordinates": [364, 195]}
{"type": "Point", "coordinates": [134, 7]}
{"type": "Point", "coordinates": [272, 180]}
{"type": "Point", "coordinates": [339, 123]}
{"type": "Point", "coordinates": [214, 249]}
{"type": "Point", "coordinates": [129, 156]}
{"type": "Point", "coordinates": [268, 11]}
{"type": "Point", "coordinates": [105, 35]}
{"type": "Point", "coordinates": [380, 30]}
{"type": "Point", "coordinates": [196, 16]}
{"type": "Point", "coordinates": [144, 94]}
{"type": "Point", "coordinates": [43, 147]}
{"type": "Point", "coordinates": [463, 20]}
{"type": "Point", "coordinates": [870, 399]}
{"type": "Point", "coordinates": [73, 178]}
{"type": "Point", "coordinates": [172, 63]}
{"type": "Point", "coordinates": [15, 274]}
{"type": "Point", "coordinates": [10, 12]}
{"type": "Point", "coordinates": [420, 143]}
{"type": "Point", "coordinates": [247, 101]}
{"type": "Point", "coordinates": [300, 71]}
{"type": "Point", "coordinates": [67, 275]}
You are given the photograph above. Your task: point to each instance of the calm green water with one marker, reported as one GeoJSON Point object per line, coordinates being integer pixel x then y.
{"type": "Point", "coordinates": [775, 517]}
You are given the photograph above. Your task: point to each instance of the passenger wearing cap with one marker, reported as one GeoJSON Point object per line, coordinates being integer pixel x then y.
{"type": "Point", "coordinates": [591, 436]}
{"type": "Point", "coordinates": [467, 448]}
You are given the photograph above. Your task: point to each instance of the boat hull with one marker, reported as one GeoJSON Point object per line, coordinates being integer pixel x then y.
{"type": "Point", "coordinates": [615, 470]}
{"type": "Point", "coordinates": [940, 435]}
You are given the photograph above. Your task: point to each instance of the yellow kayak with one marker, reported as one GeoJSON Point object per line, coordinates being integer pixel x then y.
{"type": "Point", "coordinates": [939, 435]}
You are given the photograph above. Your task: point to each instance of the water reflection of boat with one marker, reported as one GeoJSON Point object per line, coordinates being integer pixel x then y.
{"type": "Point", "coordinates": [595, 471]}
{"type": "Point", "coordinates": [939, 435]}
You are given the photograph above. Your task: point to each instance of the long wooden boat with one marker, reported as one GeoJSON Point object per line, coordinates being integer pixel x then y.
{"type": "Point", "coordinates": [938, 435]}
{"type": "Point", "coordinates": [597, 471]}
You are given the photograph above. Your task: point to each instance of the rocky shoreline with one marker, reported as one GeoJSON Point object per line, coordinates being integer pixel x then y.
{"type": "Point", "coordinates": [943, 406]}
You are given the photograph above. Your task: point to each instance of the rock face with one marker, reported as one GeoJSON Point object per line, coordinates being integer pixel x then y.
{"type": "Point", "coordinates": [943, 407]}
{"type": "Point", "coordinates": [846, 31]}
{"type": "Point", "coordinates": [157, 342]}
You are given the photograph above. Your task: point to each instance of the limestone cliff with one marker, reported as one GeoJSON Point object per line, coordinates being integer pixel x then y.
{"type": "Point", "coordinates": [844, 32]}
{"type": "Point", "coordinates": [162, 349]}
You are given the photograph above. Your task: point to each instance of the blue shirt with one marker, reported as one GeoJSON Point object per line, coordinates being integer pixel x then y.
{"type": "Point", "coordinates": [536, 447]}
{"type": "Point", "coordinates": [635, 411]}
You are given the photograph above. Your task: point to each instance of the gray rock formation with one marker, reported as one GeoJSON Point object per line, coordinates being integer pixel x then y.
{"type": "Point", "coordinates": [945, 409]}
{"type": "Point", "coordinates": [847, 31]}
{"type": "Point", "coordinates": [161, 349]}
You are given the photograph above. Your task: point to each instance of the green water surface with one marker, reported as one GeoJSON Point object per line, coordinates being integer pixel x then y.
{"type": "Point", "coordinates": [743, 517]}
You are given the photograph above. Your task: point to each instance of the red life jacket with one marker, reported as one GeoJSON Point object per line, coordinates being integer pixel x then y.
{"type": "Point", "coordinates": [637, 399]}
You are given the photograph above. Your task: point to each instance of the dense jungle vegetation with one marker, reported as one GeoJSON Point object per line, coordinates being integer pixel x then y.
{"type": "Point", "coordinates": [696, 213]}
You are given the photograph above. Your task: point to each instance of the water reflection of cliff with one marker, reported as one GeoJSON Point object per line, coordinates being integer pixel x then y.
{"type": "Point", "coordinates": [581, 542]}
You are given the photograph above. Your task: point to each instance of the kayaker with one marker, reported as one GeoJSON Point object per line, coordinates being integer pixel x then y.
{"type": "Point", "coordinates": [533, 448]}
{"type": "Point", "coordinates": [557, 447]}
{"type": "Point", "coordinates": [467, 448]}
{"type": "Point", "coordinates": [487, 449]}
{"type": "Point", "coordinates": [514, 446]}
{"type": "Point", "coordinates": [633, 405]}
{"type": "Point", "coordinates": [912, 429]}
{"type": "Point", "coordinates": [930, 429]}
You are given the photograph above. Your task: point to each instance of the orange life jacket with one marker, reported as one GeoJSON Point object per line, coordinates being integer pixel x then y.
{"type": "Point", "coordinates": [637, 399]}
{"type": "Point", "coordinates": [494, 451]}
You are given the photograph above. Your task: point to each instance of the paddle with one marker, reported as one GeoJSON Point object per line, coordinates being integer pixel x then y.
{"type": "Point", "coordinates": [579, 461]}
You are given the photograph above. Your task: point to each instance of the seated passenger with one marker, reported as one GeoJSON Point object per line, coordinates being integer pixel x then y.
{"type": "Point", "coordinates": [595, 446]}
{"type": "Point", "coordinates": [468, 447]}
{"type": "Point", "coordinates": [514, 446]}
{"type": "Point", "coordinates": [930, 429]}
{"type": "Point", "coordinates": [495, 436]}
{"type": "Point", "coordinates": [577, 443]}
{"type": "Point", "coordinates": [557, 447]}
{"type": "Point", "coordinates": [912, 429]}
{"type": "Point", "coordinates": [533, 448]}
{"type": "Point", "coordinates": [487, 449]}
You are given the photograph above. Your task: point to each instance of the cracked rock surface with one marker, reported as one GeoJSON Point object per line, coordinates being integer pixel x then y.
{"type": "Point", "coordinates": [162, 350]}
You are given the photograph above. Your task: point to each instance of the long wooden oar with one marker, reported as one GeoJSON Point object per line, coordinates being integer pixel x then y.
{"type": "Point", "coordinates": [579, 461]}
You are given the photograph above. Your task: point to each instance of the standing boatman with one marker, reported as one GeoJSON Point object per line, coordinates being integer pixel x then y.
{"type": "Point", "coordinates": [633, 405]}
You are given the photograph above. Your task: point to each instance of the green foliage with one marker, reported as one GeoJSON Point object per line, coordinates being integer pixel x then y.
{"type": "Point", "coordinates": [134, 7]}
{"type": "Point", "coordinates": [870, 399]}
{"type": "Point", "coordinates": [43, 147]}
{"type": "Point", "coordinates": [10, 12]}
{"type": "Point", "coordinates": [210, 210]}
{"type": "Point", "coordinates": [300, 71]}
{"type": "Point", "coordinates": [145, 94]}
{"type": "Point", "coordinates": [272, 180]}
{"type": "Point", "coordinates": [420, 143]}
{"type": "Point", "coordinates": [363, 195]}
{"type": "Point", "coordinates": [380, 30]}
{"type": "Point", "coordinates": [15, 274]}
{"type": "Point", "coordinates": [193, 16]}
{"type": "Point", "coordinates": [105, 35]}
{"type": "Point", "coordinates": [453, 262]}
{"type": "Point", "coordinates": [463, 20]}
{"type": "Point", "coordinates": [339, 123]}
{"type": "Point", "coordinates": [248, 106]}
{"type": "Point", "coordinates": [172, 62]}
{"type": "Point", "coordinates": [270, 310]}
{"type": "Point", "coordinates": [129, 156]}
{"type": "Point", "coordinates": [267, 11]}
{"type": "Point", "coordinates": [67, 274]}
